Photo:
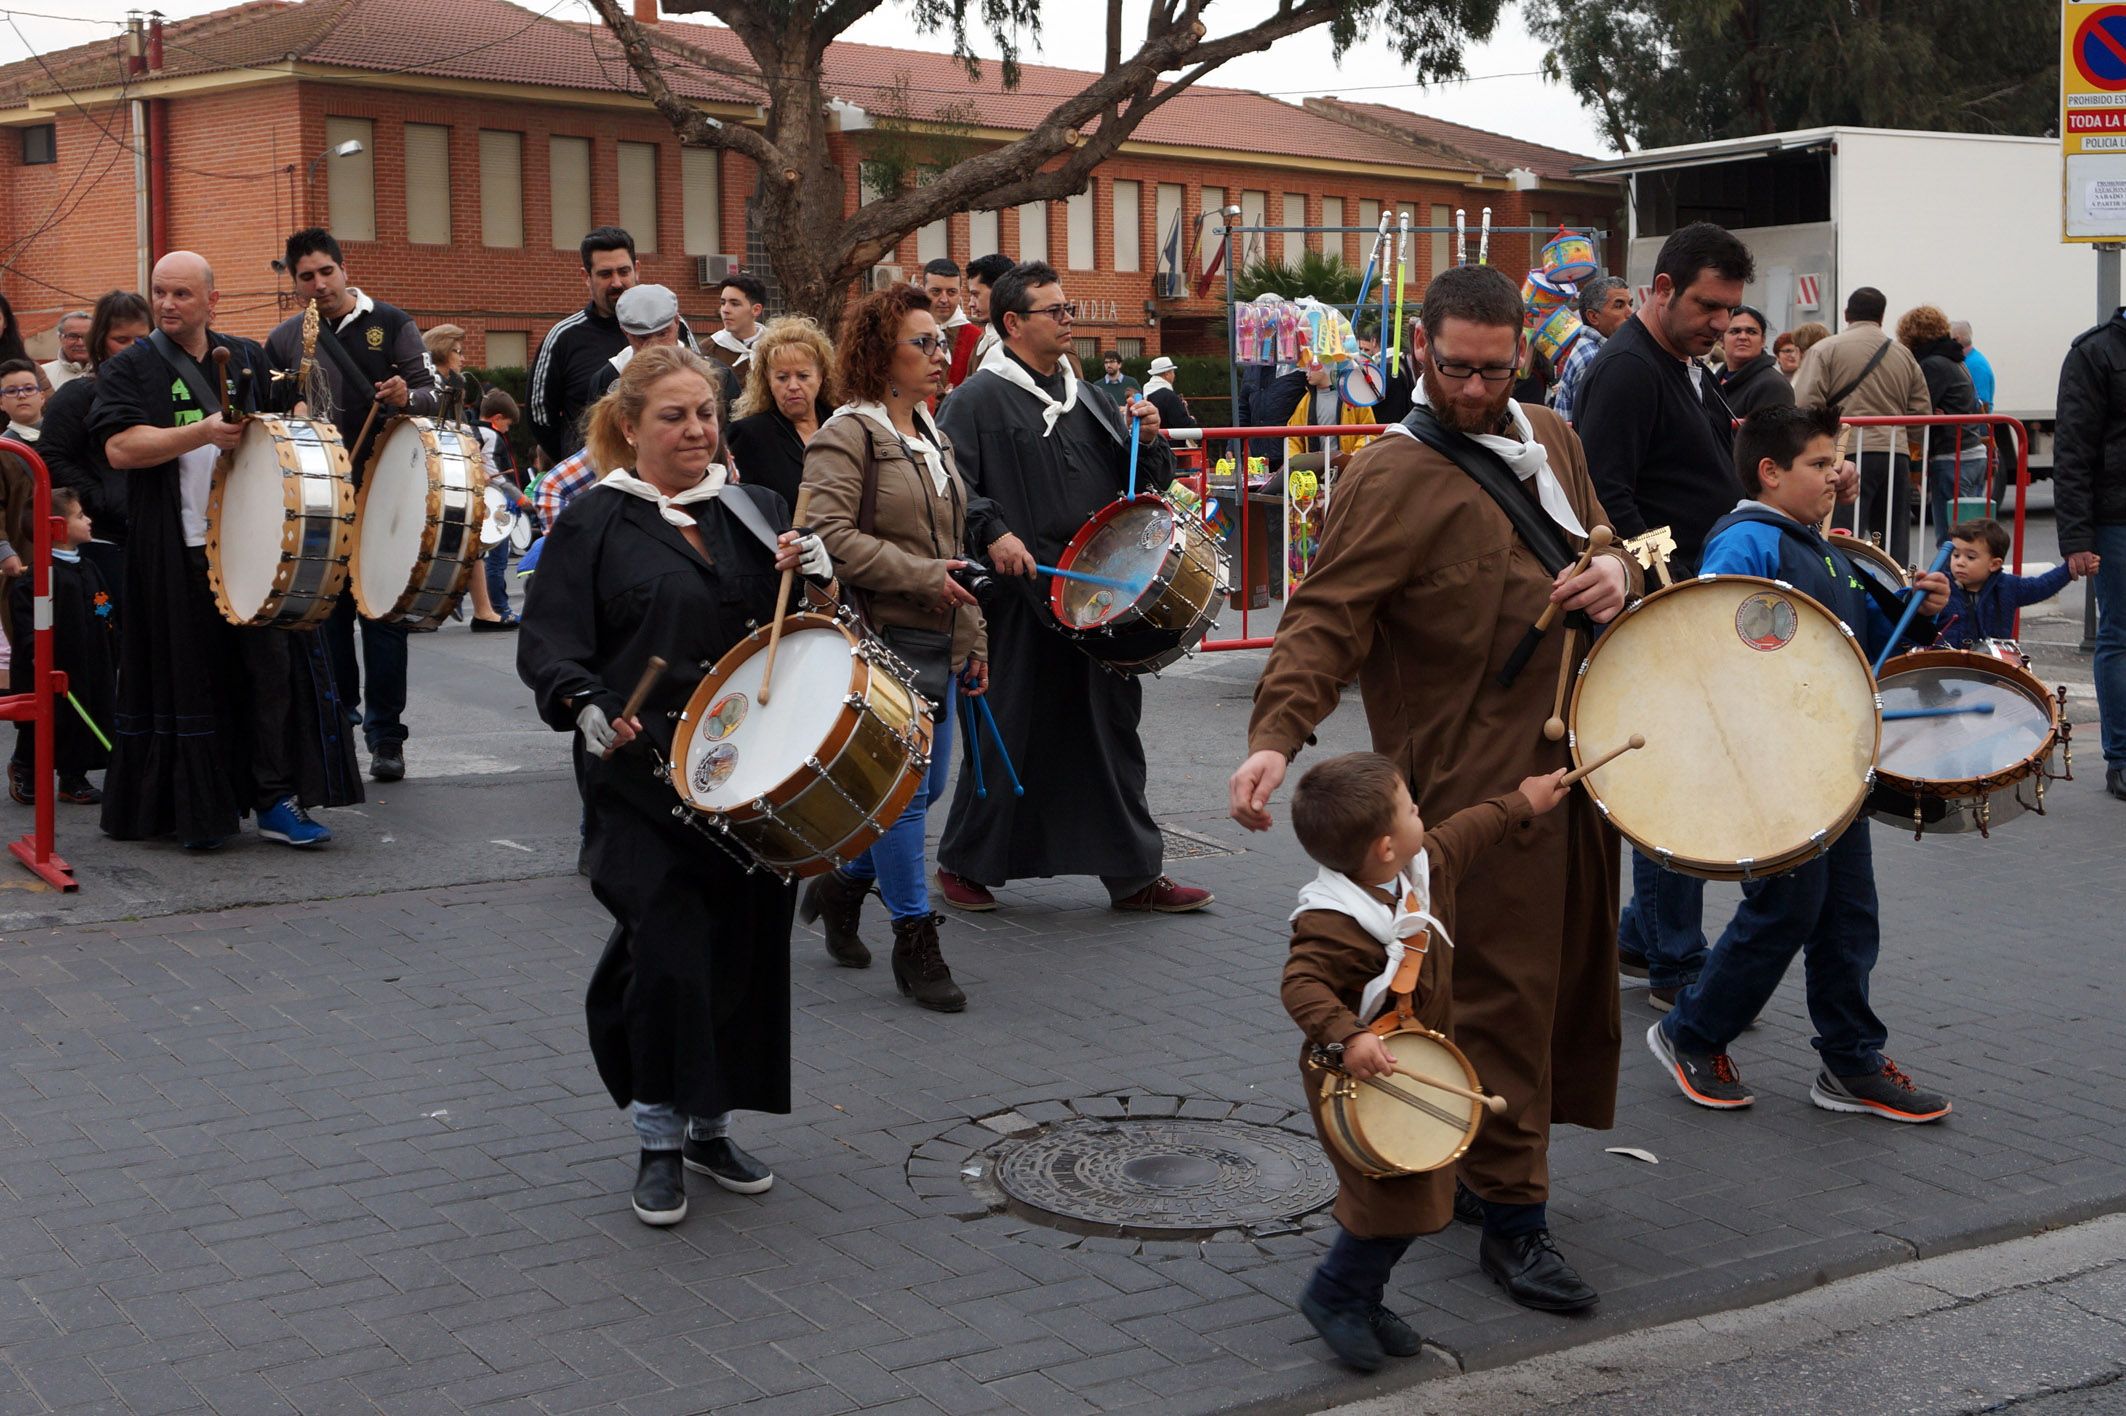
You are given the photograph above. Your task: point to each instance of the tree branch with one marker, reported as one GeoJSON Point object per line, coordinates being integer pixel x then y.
{"type": "Point", "coordinates": [692, 125]}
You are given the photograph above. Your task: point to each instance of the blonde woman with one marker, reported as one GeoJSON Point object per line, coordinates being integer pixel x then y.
{"type": "Point", "coordinates": [786, 398]}
{"type": "Point", "coordinates": [689, 1007]}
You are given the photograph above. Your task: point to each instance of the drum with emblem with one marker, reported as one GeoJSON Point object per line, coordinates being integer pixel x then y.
{"type": "Point", "coordinates": [280, 523]}
{"type": "Point", "coordinates": [417, 533]}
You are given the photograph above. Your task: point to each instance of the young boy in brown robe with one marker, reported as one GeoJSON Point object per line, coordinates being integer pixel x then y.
{"type": "Point", "coordinates": [1386, 886]}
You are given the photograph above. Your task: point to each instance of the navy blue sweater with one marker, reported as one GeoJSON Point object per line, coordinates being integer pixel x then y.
{"type": "Point", "coordinates": [1989, 611]}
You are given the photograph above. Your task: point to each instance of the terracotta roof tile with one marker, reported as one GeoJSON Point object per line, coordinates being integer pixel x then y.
{"type": "Point", "coordinates": [1494, 151]}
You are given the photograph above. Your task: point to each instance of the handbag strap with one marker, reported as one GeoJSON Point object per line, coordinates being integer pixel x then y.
{"type": "Point", "coordinates": [1845, 390]}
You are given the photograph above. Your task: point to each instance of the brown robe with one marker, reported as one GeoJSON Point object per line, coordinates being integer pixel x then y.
{"type": "Point", "coordinates": [1420, 592]}
{"type": "Point", "coordinates": [1333, 958]}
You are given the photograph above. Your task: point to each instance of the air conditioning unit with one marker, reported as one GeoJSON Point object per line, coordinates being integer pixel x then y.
{"type": "Point", "coordinates": [885, 277]}
{"type": "Point", "coordinates": [714, 270]}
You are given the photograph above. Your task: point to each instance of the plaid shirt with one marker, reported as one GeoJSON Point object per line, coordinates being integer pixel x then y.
{"type": "Point", "coordinates": [560, 486]}
{"type": "Point", "coordinates": [1577, 359]}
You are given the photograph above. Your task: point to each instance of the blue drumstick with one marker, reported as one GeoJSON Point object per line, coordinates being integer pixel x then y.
{"type": "Point", "coordinates": [1892, 715]}
{"type": "Point", "coordinates": [974, 748]}
{"type": "Point", "coordinates": [1108, 580]}
{"type": "Point", "coordinates": [1912, 599]}
{"type": "Point", "coordinates": [990, 718]}
{"type": "Point", "coordinates": [1133, 446]}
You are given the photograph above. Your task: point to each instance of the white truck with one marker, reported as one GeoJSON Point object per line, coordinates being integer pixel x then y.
{"type": "Point", "coordinates": [1968, 222]}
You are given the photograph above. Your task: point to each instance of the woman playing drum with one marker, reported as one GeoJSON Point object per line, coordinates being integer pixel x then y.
{"type": "Point", "coordinates": [689, 1008]}
{"type": "Point", "coordinates": [893, 513]}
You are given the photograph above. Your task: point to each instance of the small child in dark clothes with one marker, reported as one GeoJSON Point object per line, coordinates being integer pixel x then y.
{"type": "Point", "coordinates": [1984, 599]}
{"type": "Point", "coordinates": [82, 648]}
{"type": "Point", "coordinates": [1385, 889]}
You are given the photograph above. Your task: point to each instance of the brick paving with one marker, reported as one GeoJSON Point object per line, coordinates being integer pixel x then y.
{"type": "Point", "coordinates": [350, 1155]}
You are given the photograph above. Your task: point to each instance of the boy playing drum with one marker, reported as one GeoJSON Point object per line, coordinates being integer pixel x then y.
{"type": "Point", "coordinates": [1384, 880]}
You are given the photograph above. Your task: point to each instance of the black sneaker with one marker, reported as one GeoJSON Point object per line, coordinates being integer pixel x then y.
{"type": "Point", "coordinates": [1348, 1331]}
{"type": "Point", "coordinates": [727, 1165]}
{"type": "Point", "coordinates": [387, 762]}
{"type": "Point", "coordinates": [1889, 1094]}
{"type": "Point", "coordinates": [1630, 962]}
{"type": "Point", "coordinates": [78, 790]}
{"type": "Point", "coordinates": [1709, 1079]}
{"type": "Point", "coordinates": [1397, 1338]}
{"type": "Point", "coordinates": [660, 1189]}
{"type": "Point", "coordinates": [19, 785]}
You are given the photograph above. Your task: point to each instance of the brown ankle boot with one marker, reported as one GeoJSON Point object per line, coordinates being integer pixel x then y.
{"type": "Point", "coordinates": [919, 969]}
{"type": "Point", "coordinates": [836, 901]}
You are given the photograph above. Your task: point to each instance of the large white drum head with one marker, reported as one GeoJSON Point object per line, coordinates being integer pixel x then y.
{"type": "Point", "coordinates": [394, 518]}
{"type": "Point", "coordinates": [253, 518]}
{"type": "Point", "coordinates": [1759, 718]}
{"type": "Point", "coordinates": [739, 749]}
{"type": "Point", "coordinates": [1413, 1126]}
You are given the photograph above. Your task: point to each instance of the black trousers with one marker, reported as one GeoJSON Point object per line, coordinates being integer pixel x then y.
{"type": "Point", "coordinates": [1354, 1274]}
{"type": "Point", "coordinates": [266, 706]}
{"type": "Point", "coordinates": [1885, 499]}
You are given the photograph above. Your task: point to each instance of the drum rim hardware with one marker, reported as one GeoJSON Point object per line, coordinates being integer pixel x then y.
{"type": "Point", "coordinates": [1972, 797]}
{"type": "Point", "coordinates": [291, 438]}
{"type": "Point", "coordinates": [421, 604]}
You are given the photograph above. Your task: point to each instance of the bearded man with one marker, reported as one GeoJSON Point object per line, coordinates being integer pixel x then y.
{"type": "Point", "coordinates": [1426, 582]}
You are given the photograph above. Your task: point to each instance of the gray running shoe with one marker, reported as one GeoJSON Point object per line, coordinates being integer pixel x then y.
{"type": "Point", "coordinates": [1889, 1094]}
{"type": "Point", "coordinates": [1707, 1078]}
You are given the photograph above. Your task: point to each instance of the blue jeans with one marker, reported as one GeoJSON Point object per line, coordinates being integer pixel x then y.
{"type": "Point", "coordinates": [384, 659]}
{"type": "Point", "coordinates": [1825, 911]}
{"type": "Point", "coordinates": [2109, 587]}
{"type": "Point", "coordinates": [1967, 476]}
{"type": "Point", "coordinates": [896, 859]}
{"type": "Point", "coordinates": [1665, 922]}
{"type": "Point", "coordinates": [659, 1126]}
{"type": "Point", "coordinates": [496, 568]}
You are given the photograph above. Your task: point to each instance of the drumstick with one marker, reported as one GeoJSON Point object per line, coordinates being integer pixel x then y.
{"type": "Point", "coordinates": [1496, 1105]}
{"type": "Point", "coordinates": [651, 672]}
{"type": "Point", "coordinates": [1554, 726]}
{"type": "Point", "coordinates": [367, 423]}
{"type": "Point", "coordinates": [1845, 435]}
{"type": "Point", "coordinates": [1892, 715]}
{"type": "Point", "coordinates": [782, 596]}
{"type": "Point", "coordinates": [1090, 579]}
{"type": "Point", "coordinates": [1134, 444]}
{"type": "Point", "coordinates": [1913, 597]}
{"type": "Point", "coordinates": [1635, 742]}
{"type": "Point", "coordinates": [1597, 540]}
{"type": "Point", "coordinates": [221, 376]}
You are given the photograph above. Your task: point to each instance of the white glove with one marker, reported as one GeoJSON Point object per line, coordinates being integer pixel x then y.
{"type": "Point", "coordinates": [596, 728]}
{"type": "Point", "coordinates": [814, 560]}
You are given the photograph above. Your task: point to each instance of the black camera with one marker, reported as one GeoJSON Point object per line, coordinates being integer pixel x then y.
{"type": "Point", "coordinates": [974, 577]}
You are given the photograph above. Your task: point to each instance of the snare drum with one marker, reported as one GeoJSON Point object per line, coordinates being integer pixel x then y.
{"type": "Point", "coordinates": [1171, 559]}
{"type": "Point", "coordinates": [1759, 717]}
{"type": "Point", "coordinates": [1873, 561]}
{"type": "Point", "coordinates": [417, 533]}
{"type": "Point", "coordinates": [1540, 299]}
{"type": "Point", "coordinates": [1965, 771]}
{"type": "Point", "coordinates": [1569, 258]}
{"type": "Point", "coordinates": [280, 523]}
{"type": "Point", "coordinates": [1396, 1125]}
{"type": "Point", "coordinates": [1556, 334]}
{"type": "Point", "coordinates": [810, 779]}
{"type": "Point", "coordinates": [2008, 651]}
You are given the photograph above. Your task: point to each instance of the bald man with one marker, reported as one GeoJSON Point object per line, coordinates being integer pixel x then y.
{"type": "Point", "coordinates": [214, 720]}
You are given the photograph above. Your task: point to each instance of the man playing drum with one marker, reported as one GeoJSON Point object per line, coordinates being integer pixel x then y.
{"type": "Point", "coordinates": [214, 720]}
{"type": "Point", "coordinates": [368, 355]}
{"type": "Point", "coordinates": [1040, 453]}
{"type": "Point", "coordinates": [1421, 591]}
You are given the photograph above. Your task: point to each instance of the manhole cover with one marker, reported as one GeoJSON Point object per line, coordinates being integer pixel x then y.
{"type": "Point", "coordinates": [1187, 845]}
{"type": "Point", "coordinates": [1165, 1178]}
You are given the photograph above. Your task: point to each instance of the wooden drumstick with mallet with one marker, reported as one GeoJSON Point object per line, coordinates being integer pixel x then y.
{"type": "Point", "coordinates": [1597, 541]}
{"type": "Point", "coordinates": [1554, 725]}
{"type": "Point", "coordinates": [221, 376]}
{"type": "Point", "coordinates": [1496, 1105]}
{"type": "Point", "coordinates": [651, 672]}
{"type": "Point", "coordinates": [782, 596]}
{"type": "Point", "coordinates": [1631, 744]}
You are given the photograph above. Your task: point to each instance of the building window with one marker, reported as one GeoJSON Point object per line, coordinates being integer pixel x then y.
{"type": "Point", "coordinates": [1214, 208]}
{"type": "Point", "coordinates": [508, 349]}
{"type": "Point", "coordinates": [933, 241]}
{"type": "Point", "coordinates": [984, 236]}
{"type": "Point", "coordinates": [1129, 226]}
{"type": "Point", "coordinates": [1295, 214]}
{"type": "Point", "coordinates": [1442, 241]}
{"type": "Point", "coordinates": [1033, 231]}
{"type": "Point", "coordinates": [701, 201]}
{"type": "Point", "coordinates": [568, 176]}
{"type": "Point", "coordinates": [1078, 214]}
{"type": "Point", "coordinates": [1130, 348]}
{"type": "Point", "coordinates": [1088, 352]}
{"type": "Point", "coordinates": [350, 182]}
{"type": "Point", "coordinates": [502, 189]}
{"type": "Point", "coordinates": [1336, 243]}
{"type": "Point", "coordinates": [40, 144]}
{"type": "Point", "coordinates": [637, 171]}
{"type": "Point", "coordinates": [427, 184]}
{"type": "Point", "coordinates": [1369, 215]}
{"type": "Point", "coordinates": [1167, 230]}
{"type": "Point", "coordinates": [1254, 211]}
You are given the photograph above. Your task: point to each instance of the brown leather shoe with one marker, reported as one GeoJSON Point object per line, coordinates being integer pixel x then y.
{"type": "Point", "coordinates": [1166, 896]}
{"type": "Point", "coordinates": [836, 902]}
{"type": "Point", "coordinates": [919, 968]}
{"type": "Point", "coordinates": [964, 894]}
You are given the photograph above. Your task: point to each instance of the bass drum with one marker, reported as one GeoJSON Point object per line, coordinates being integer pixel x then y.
{"type": "Point", "coordinates": [1759, 716]}
{"type": "Point", "coordinates": [1396, 1125]}
{"type": "Point", "coordinates": [1172, 575]}
{"type": "Point", "coordinates": [280, 523]}
{"type": "Point", "coordinates": [417, 533]}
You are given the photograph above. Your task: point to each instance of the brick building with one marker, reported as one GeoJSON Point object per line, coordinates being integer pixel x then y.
{"type": "Point", "coordinates": [491, 138]}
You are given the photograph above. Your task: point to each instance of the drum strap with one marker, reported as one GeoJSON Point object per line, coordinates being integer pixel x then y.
{"type": "Point", "coordinates": [205, 392]}
{"type": "Point", "coordinates": [1404, 986]}
{"type": "Point", "coordinates": [1489, 471]}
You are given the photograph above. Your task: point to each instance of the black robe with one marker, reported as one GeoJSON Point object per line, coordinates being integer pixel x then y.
{"type": "Point", "coordinates": [186, 756]}
{"type": "Point", "coordinates": [1069, 724]}
{"type": "Point", "coordinates": [82, 639]}
{"type": "Point", "coordinates": [690, 1004]}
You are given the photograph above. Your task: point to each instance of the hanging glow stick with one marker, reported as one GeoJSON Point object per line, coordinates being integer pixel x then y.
{"type": "Point", "coordinates": [1402, 278]}
{"type": "Point", "coordinates": [1483, 240]}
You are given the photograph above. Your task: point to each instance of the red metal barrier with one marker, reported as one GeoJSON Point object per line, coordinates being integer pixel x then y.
{"type": "Point", "coordinates": [47, 684]}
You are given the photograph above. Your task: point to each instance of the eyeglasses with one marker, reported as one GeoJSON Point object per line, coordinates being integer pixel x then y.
{"type": "Point", "coordinates": [18, 390]}
{"type": "Point", "coordinates": [1065, 311]}
{"type": "Point", "coordinates": [1461, 373]}
{"type": "Point", "coordinates": [928, 343]}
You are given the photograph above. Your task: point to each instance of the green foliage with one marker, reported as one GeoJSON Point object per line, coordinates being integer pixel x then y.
{"type": "Point", "coordinates": [1325, 277]}
{"type": "Point", "coordinates": [1662, 72]}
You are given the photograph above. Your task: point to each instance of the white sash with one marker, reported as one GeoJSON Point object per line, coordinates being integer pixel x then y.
{"type": "Point", "coordinates": [1335, 891]}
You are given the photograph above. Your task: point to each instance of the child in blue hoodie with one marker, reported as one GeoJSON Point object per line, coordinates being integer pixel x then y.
{"type": "Point", "coordinates": [1984, 602]}
{"type": "Point", "coordinates": [1824, 909]}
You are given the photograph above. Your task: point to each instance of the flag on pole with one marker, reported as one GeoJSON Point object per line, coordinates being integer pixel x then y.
{"type": "Point", "coordinates": [1170, 278]}
{"type": "Point", "coordinates": [1210, 270]}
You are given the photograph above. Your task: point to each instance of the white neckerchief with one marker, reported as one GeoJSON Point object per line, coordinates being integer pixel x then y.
{"type": "Point", "coordinates": [1158, 381]}
{"type": "Point", "coordinates": [999, 362]}
{"type": "Point", "coordinates": [959, 317]}
{"type": "Point", "coordinates": [987, 342]}
{"type": "Point", "coordinates": [1527, 457]}
{"type": "Point", "coordinates": [724, 339]}
{"type": "Point", "coordinates": [1337, 892]}
{"type": "Point", "coordinates": [621, 360]}
{"type": "Point", "coordinates": [924, 447]}
{"type": "Point", "coordinates": [622, 480]}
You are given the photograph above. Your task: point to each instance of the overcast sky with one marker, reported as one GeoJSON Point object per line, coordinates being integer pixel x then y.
{"type": "Point", "coordinates": [1503, 94]}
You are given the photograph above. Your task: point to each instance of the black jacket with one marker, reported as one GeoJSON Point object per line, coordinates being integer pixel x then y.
{"type": "Point", "coordinates": [1950, 390]}
{"type": "Point", "coordinates": [76, 459]}
{"type": "Point", "coordinates": [1757, 384]}
{"type": "Point", "coordinates": [1661, 453]}
{"type": "Point", "coordinates": [564, 376]}
{"type": "Point", "coordinates": [2089, 441]}
{"type": "Point", "coordinates": [767, 451]}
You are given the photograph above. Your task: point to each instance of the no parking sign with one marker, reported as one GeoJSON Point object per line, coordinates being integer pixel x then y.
{"type": "Point", "coordinates": [2093, 120]}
